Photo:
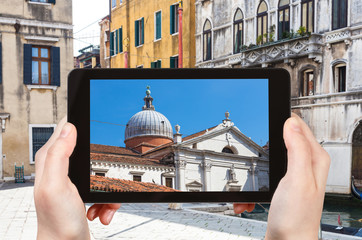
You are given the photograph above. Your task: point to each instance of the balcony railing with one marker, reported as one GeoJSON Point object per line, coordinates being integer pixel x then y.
{"type": "Point", "coordinates": [283, 50]}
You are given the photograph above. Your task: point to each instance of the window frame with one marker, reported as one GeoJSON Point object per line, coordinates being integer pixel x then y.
{"type": "Point", "coordinates": [136, 176]}
{"type": "Point", "coordinates": [262, 15]}
{"type": "Point", "coordinates": [140, 32]}
{"type": "Point", "coordinates": [339, 15]}
{"type": "Point", "coordinates": [40, 59]}
{"type": "Point", "coordinates": [207, 33]}
{"type": "Point", "coordinates": [176, 61]}
{"type": "Point", "coordinates": [307, 15]}
{"type": "Point", "coordinates": [283, 9]}
{"type": "Point", "coordinates": [238, 22]}
{"type": "Point", "coordinates": [305, 86]}
{"type": "Point", "coordinates": [175, 27]}
{"type": "Point", "coordinates": [155, 26]}
{"type": "Point", "coordinates": [31, 126]}
{"type": "Point", "coordinates": [48, 2]}
{"type": "Point", "coordinates": [337, 79]}
{"type": "Point", "coordinates": [158, 64]}
{"type": "Point", "coordinates": [115, 4]}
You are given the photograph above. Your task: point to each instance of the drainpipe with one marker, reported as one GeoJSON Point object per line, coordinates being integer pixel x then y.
{"type": "Point", "coordinates": [180, 50]}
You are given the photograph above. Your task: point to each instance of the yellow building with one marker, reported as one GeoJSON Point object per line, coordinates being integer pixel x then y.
{"type": "Point", "coordinates": [145, 34]}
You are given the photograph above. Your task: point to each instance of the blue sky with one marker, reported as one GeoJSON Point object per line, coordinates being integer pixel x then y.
{"type": "Point", "coordinates": [194, 104]}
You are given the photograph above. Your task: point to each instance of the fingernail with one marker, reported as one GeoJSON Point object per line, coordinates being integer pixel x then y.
{"type": "Point", "coordinates": [65, 131]}
{"type": "Point", "coordinates": [109, 217]}
{"type": "Point", "coordinates": [93, 215]}
{"type": "Point", "coordinates": [295, 125]}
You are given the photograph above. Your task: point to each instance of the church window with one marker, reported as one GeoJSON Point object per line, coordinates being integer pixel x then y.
{"type": "Point", "coordinates": [262, 22]}
{"type": "Point", "coordinates": [169, 182]}
{"type": "Point", "coordinates": [100, 174]}
{"type": "Point", "coordinates": [194, 146]}
{"type": "Point", "coordinates": [227, 150]}
{"type": "Point", "coordinates": [307, 83]}
{"type": "Point", "coordinates": [238, 31]}
{"type": "Point", "coordinates": [308, 15]}
{"type": "Point", "coordinates": [340, 77]}
{"type": "Point", "coordinates": [339, 14]}
{"type": "Point", "coordinates": [137, 178]}
{"type": "Point", "coordinates": [283, 19]}
{"type": "Point", "coordinates": [207, 40]}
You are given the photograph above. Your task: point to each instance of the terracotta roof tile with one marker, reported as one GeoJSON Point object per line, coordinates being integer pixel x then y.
{"type": "Point", "coordinates": [100, 183]}
{"type": "Point", "coordinates": [198, 134]}
{"type": "Point", "coordinates": [111, 149]}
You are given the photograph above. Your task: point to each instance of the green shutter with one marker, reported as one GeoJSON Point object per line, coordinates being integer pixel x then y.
{"type": "Point", "coordinates": [153, 64]}
{"type": "Point", "coordinates": [172, 19]}
{"type": "Point", "coordinates": [55, 66]}
{"type": "Point", "coordinates": [158, 25]}
{"type": "Point", "coordinates": [172, 62]}
{"type": "Point", "coordinates": [120, 40]}
{"type": "Point", "coordinates": [136, 32]}
{"type": "Point", "coordinates": [111, 44]}
{"type": "Point", "coordinates": [117, 41]}
{"type": "Point", "coordinates": [27, 68]}
{"type": "Point", "coordinates": [143, 31]}
{"type": "Point", "coordinates": [158, 64]}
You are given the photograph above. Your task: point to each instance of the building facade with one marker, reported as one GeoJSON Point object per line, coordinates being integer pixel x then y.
{"type": "Point", "coordinates": [104, 51]}
{"type": "Point", "coordinates": [145, 34]}
{"type": "Point", "coordinates": [36, 49]}
{"type": "Point", "coordinates": [319, 42]}
{"type": "Point", "coordinates": [89, 57]}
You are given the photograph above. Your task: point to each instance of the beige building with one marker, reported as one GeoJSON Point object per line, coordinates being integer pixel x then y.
{"type": "Point", "coordinates": [36, 55]}
{"type": "Point", "coordinates": [104, 52]}
{"type": "Point", "coordinates": [319, 42]}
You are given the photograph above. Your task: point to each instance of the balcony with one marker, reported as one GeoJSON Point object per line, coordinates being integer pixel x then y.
{"type": "Point", "coordinates": [284, 50]}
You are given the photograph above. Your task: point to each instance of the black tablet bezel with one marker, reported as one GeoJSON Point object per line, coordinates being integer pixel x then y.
{"type": "Point", "coordinates": [79, 115]}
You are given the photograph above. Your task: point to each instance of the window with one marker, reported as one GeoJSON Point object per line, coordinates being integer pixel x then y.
{"type": "Point", "coordinates": [308, 15]}
{"type": "Point", "coordinates": [227, 150]}
{"type": "Point", "coordinates": [207, 40]}
{"type": "Point", "coordinates": [43, 1]}
{"type": "Point", "coordinates": [114, 3]}
{"type": "Point", "coordinates": [139, 32]}
{"type": "Point", "coordinates": [1, 65]}
{"type": "Point", "coordinates": [116, 42]}
{"type": "Point", "coordinates": [339, 14]}
{"type": "Point", "coordinates": [137, 178]}
{"type": "Point", "coordinates": [120, 2]}
{"type": "Point", "coordinates": [283, 19]}
{"type": "Point", "coordinates": [156, 64]}
{"type": "Point", "coordinates": [173, 18]}
{"type": "Point", "coordinates": [169, 182]}
{"type": "Point", "coordinates": [38, 135]}
{"type": "Point", "coordinates": [340, 77]}
{"type": "Point", "coordinates": [174, 62]}
{"type": "Point", "coordinates": [262, 23]}
{"type": "Point", "coordinates": [238, 31]}
{"type": "Point", "coordinates": [158, 25]}
{"type": "Point", "coordinates": [307, 83]}
{"type": "Point", "coordinates": [100, 174]}
{"type": "Point", "coordinates": [41, 65]}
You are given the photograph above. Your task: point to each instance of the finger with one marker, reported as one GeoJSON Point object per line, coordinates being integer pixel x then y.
{"type": "Point", "coordinates": [299, 151]}
{"type": "Point", "coordinates": [93, 211]}
{"type": "Point", "coordinates": [41, 153]}
{"type": "Point", "coordinates": [320, 158]}
{"type": "Point", "coordinates": [57, 159]}
{"type": "Point", "coordinates": [107, 212]}
{"type": "Point", "coordinates": [242, 207]}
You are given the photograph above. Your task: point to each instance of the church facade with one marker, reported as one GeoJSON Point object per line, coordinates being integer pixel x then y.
{"type": "Point", "coordinates": [220, 158]}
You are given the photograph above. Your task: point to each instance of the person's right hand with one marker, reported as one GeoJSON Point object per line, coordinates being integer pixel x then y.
{"type": "Point", "coordinates": [297, 204]}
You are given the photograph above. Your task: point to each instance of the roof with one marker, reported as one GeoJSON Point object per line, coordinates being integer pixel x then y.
{"type": "Point", "coordinates": [98, 148]}
{"type": "Point", "coordinates": [100, 183]}
{"type": "Point", "coordinates": [135, 160]}
{"type": "Point", "coordinates": [198, 134]}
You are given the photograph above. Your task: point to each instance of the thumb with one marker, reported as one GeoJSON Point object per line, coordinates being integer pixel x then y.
{"type": "Point", "coordinates": [57, 158]}
{"type": "Point", "coordinates": [299, 150]}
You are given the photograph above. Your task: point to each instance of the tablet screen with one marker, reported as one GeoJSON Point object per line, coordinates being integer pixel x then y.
{"type": "Point", "coordinates": [179, 135]}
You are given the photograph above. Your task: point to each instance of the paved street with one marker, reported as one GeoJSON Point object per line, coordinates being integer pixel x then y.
{"type": "Point", "coordinates": [134, 221]}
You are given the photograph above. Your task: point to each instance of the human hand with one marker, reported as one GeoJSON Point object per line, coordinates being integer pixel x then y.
{"type": "Point", "coordinates": [297, 204]}
{"type": "Point", "coordinates": [60, 210]}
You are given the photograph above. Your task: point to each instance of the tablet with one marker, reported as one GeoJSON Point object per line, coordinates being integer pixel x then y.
{"type": "Point", "coordinates": [178, 135]}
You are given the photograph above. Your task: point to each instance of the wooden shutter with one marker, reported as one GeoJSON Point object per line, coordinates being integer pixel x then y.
{"type": "Point", "coordinates": [55, 66]}
{"type": "Point", "coordinates": [158, 25]}
{"type": "Point", "coordinates": [27, 64]}
{"type": "Point", "coordinates": [136, 37]}
{"type": "Point", "coordinates": [120, 40]}
{"type": "Point", "coordinates": [172, 62]}
{"type": "Point", "coordinates": [143, 31]}
{"type": "Point", "coordinates": [51, 1]}
{"type": "Point", "coordinates": [117, 41]}
{"type": "Point", "coordinates": [172, 19]}
{"type": "Point", "coordinates": [111, 44]}
{"type": "Point", "coordinates": [158, 64]}
{"type": "Point", "coordinates": [1, 65]}
{"type": "Point", "coordinates": [153, 64]}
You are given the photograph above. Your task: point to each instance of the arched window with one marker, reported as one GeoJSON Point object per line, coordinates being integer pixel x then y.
{"type": "Point", "coordinates": [207, 40]}
{"type": "Point", "coordinates": [238, 31]}
{"type": "Point", "coordinates": [227, 150]}
{"type": "Point", "coordinates": [307, 83]}
{"type": "Point", "coordinates": [339, 14]}
{"type": "Point", "coordinates": [262, 22]}
{"type": "Point", "coordinates": [283, 19]}
{"type": "Point", "coordinates": [308, 15]}
{"type": "Point", "coordinates": [339, 72]}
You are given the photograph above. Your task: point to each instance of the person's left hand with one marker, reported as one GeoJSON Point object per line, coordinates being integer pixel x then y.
{"type": "Point", "coordinates": [60, 210]}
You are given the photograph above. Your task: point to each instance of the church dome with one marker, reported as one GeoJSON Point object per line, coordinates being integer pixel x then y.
{"type": "Point", "coordinates": [148, 123]}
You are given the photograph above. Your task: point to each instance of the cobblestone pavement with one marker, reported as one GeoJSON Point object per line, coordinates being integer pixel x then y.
{"type": "Point", "coordinates": [134, 221]}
